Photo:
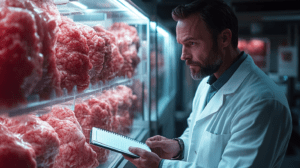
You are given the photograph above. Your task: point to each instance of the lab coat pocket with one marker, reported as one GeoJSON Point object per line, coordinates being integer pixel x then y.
{"type": "Point", "coordinates": [212, 147]}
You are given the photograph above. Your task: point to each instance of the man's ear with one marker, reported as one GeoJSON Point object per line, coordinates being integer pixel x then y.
{"type": "Point", "coordinates": [226, 36]}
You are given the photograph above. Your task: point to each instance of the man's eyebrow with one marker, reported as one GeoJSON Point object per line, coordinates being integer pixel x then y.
{"type": "Point", "coordinates": [188, 39]}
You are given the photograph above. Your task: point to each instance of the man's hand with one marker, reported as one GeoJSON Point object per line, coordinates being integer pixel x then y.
{"type": "Point", "coordinates": [146, 160]}
{"type": "Point", "coordinates": [165, 148]}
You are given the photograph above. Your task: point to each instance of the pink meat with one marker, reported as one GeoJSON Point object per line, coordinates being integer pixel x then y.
{"type": "Point", "coordinates": [113, 61]}
{"type": "Point", "coordinates": [72, 56]}
{"type": "Point", "coordinates": [127, 69]}
{"type": "Point", "coordinates": [113, 64]}
{"type": "Point", "coordinates": [42, 137]}
{"type": "Point", "coordinates": [134, 57]}
{"type": "Point", "coordinates": [120, 100]}
{"type": "Point", "coordinates": [47, 31]}
{"type": "Point", "coordinates": [74, 151]}
{"type": "Point", "coordinates": [100, 114]}
{"type": "Point", "coordinates": [125, 121]}
{"type": "Point", "coordinates": [137, 90]}
{"type": "Point", "coordinates": [15, 153]}
{"type": "Point", "coordinates": [62, 114]}
{"type": "Point", "coordinates": [96, 51]}
{"type": "Point", "coordinates": [116, 124]}
{"type": "Point", "coordinates": [112, 99]}
{"type": "Point", "coordinates": [50, 81]}
{"type": "Point", "coordinates": [77, 154]}
{"type": "Point", "coordinates": [125, 117]}
{"type": "Point", "coordinates": [126, 34]}
{"type": "Point", "coordinates": [128, 43]}
{"type": "Point", "coordinates": [12, 3]}
{"type": "Point", "coordinates": [49, 7]}
{"type": "Point", "coordinates": [122, 124]}
{"type": "Point", "coordinates": [20, 59]}
{"type": "Point", "coordinates": [127, 96]}
{"type": "Point", "coordinates": [94, 113]}
{"type": "Point", "coordinates": [46, 5]}
{"type": "Point", "coordinates": [108, 96]}
{"type": "Point", "coordinates": [101, 30]}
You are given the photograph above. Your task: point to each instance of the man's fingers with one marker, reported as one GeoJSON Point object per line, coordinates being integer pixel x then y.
{"type": "Point", "coordinates": [132, 160]}
{"type": "Point", "coordinates": [156, 144]}
{"type": "Point", "coordinates": [147, 159]}
{"type": "Point", "coordinates": [128, 158]}
{"type": "Point", "coordinates": [138, 151]}
{"type": "Point", "coordinates": [155, 138]}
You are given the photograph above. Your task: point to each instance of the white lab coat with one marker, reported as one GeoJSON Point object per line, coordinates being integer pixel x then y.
{"type": "Point", "coordinates": [247, 123]}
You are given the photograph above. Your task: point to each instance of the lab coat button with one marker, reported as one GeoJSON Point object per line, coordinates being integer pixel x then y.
{"type": "Point", "coordinates": [196, 152]}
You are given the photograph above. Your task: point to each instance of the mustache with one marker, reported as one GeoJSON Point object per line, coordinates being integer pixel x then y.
{"type": "Point", "coordinates": [189, 62]}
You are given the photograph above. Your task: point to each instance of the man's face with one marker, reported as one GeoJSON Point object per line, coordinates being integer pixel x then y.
{"type": "Point", "coordinates": [199, 50]}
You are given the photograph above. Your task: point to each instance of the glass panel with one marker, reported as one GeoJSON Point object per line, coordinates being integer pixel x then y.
{"type": "Point", "coordinates": [101, 53]}
{"type": "Point", "coordinates": [153, 69]}
{"type": "Point", "coordinates": [165, 66]}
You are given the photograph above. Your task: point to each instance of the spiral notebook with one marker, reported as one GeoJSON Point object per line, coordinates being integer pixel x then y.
{"type": "Point", "coordinates": [115, 142]}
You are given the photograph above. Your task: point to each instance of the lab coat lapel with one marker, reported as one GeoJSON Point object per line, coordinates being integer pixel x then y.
{"type": "Point", "coordinates": [213, 105]}
{"type": "Point", "coordinates": [231, 86]}
{"type": "Point", "coordinates": [201, 103]}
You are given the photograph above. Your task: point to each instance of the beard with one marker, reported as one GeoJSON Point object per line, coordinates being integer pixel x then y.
{"type": "Point", "coordinates": [208, 70]}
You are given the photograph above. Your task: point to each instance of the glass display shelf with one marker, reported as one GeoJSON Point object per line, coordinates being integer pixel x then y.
{"type": "Point", "coordinates": [117, 9]}
{"type": "Point", "coordinates": [40, 107]}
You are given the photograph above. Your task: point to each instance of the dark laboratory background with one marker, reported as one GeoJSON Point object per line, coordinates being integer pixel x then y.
{"type": "Point", "coordinates": [139, 87]}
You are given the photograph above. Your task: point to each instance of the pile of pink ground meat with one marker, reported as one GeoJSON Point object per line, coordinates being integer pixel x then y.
{"type": "Point", "coordinates": [42, 53]}
{"type": "Point", "coordinates": [60, 139]}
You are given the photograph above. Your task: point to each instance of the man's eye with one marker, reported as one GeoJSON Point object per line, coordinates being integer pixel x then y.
{"type": "Point", "coordinates": [192, 43]}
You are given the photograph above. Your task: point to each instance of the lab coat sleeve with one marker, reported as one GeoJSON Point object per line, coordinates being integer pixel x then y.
{"type": "Point", "coordinates": [185, 138]}
{"type": "Point", "coordinates": [179, 164]}
{"type": "Point", "coordinates": [185, 135]}
{"type": "Point", "coordinates": [260, 133]}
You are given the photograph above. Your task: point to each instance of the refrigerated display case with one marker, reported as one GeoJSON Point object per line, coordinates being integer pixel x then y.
{"type": "Point", "coordinates": [165, 56]}
{"type": "Point", "coordinates": [94, 72]}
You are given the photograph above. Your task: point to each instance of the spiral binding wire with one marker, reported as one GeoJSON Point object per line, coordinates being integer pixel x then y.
{"type": "Point", "coordinates": [126, 137]}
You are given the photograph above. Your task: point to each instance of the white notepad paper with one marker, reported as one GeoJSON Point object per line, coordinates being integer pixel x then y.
{"type": "Point", "coordinates": [115, 142]}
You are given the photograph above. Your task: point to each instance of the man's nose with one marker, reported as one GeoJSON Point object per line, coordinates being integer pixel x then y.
{"type": "Point", "coordinates": [184, 54]}
{"type": "Point", "coordinates": [183, 57]}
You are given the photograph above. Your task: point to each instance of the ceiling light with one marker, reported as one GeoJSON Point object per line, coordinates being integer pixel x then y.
{"type": "Point", "coordinates": [80, 5]}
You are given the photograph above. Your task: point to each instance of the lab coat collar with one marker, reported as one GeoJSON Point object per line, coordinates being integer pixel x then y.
{"type": "Point", "coordinates": [229, 87]}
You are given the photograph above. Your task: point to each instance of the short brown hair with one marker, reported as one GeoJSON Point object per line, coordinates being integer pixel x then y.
{"type": "Point", "coordinates": [217, 15]}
